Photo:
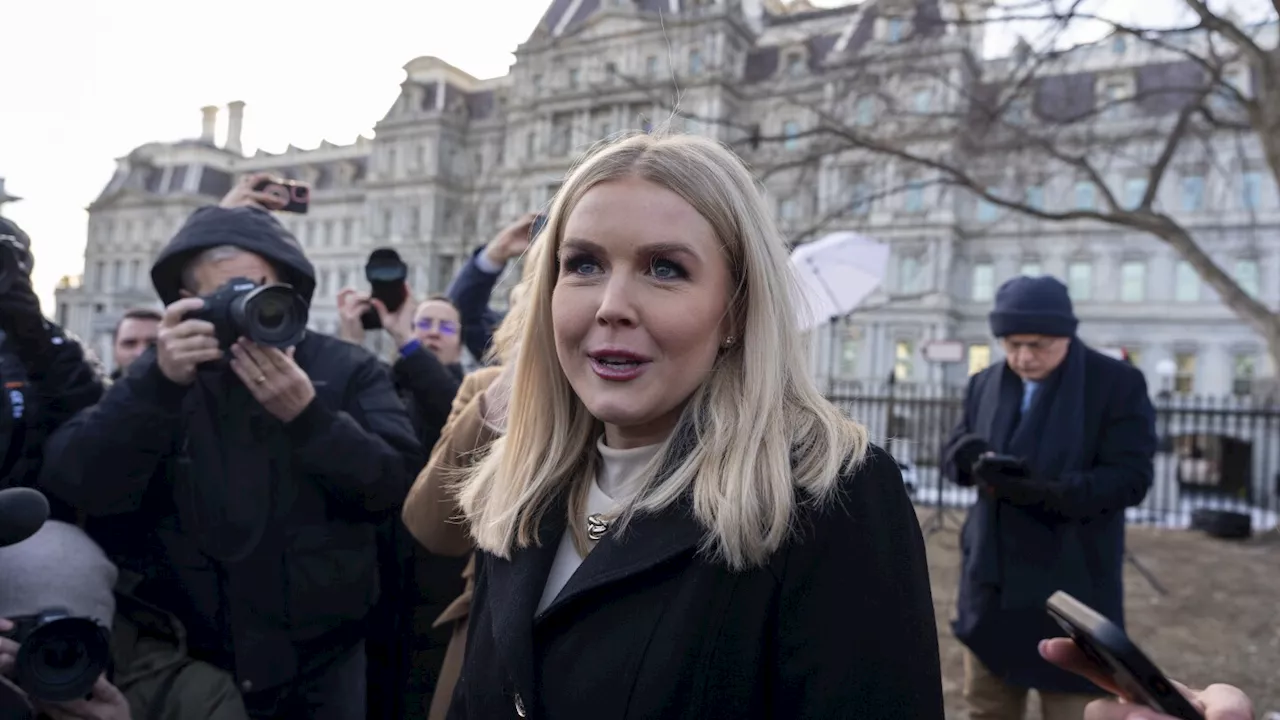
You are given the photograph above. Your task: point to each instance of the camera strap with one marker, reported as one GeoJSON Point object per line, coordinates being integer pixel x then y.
{"type": "Point", "coordinates": [15, 408]}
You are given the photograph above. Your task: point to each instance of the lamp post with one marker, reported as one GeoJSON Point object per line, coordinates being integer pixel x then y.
{"type": "Point", "coordinates": [1166, 370]}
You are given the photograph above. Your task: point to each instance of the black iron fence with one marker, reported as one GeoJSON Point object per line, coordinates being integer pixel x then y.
{"type": "Point", "coordinates": [1215, 453]}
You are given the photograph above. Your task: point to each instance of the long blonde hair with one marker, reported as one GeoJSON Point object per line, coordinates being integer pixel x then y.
{"type": "Point", "coordinates": [763, 430]}
{"type": "Point", "coordinates": [506, 337]}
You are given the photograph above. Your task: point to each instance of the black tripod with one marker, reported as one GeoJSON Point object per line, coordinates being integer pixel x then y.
{"type": "Point", "coordinates": [938, 521]}
{"type": "Point", "coordinates": [1129, 557]}
{"type": "Point", "coordinates": [1146, 574]}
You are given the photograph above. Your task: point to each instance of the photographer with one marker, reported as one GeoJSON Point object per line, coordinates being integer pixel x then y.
{"type": "Point", "coordinates": [417, 585]}
{"type": "Point", "coordinates": [46, 373]}
{"type": "Point", "coordinates": [61, 569]}
{"type": "Point", "coordinates": [257, 482]}
{"type": "Point", "coordinates": [428, 339]}
{"type": "Point", "coordinates": [471, 289]}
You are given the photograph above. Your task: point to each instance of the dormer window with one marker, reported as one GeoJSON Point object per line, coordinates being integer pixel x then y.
{"type": "Point", "coordinates": [795, 64]}
{"type": "Point", "coordinates": [1118, 45]}
{"type": "Point", "coordinates": [1113, 92]}
{"type": "Point", "coordinates": [1017, 111]}
{"type": "Point", "coordinates": [894, 30]}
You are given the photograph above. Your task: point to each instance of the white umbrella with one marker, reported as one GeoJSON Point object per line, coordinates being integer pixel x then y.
{"type": "Point", "coordinates": [836, 273]}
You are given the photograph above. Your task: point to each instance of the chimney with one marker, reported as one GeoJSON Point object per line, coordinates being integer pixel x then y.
{"type": "Point", "coordinates": [235, 123]}
{"type": "Point", "coordinates": [209, 121]}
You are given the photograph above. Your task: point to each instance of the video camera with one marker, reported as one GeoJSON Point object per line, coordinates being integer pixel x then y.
{"type": "Point", "coordinates": [273, 314]}
{"type": "Point", "coordinates": [61, 655]}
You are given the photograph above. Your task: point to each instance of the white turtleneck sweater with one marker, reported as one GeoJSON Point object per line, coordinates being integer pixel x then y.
{"type": "Point", "coordinates": [617, 480]}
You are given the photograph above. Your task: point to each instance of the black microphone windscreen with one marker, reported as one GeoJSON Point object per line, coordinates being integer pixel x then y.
{"type": "Point", "coordinates": [22, 512]}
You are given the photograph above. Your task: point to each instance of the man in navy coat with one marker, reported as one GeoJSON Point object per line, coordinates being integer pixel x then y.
{"type": "Point", "coordinates": [1082, 428]}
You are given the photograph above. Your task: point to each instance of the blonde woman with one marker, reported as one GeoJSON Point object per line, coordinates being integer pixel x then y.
{"type": "Point", "coordinates": [676, 524]}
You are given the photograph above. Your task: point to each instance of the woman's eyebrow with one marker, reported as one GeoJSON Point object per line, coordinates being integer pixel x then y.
{"type": "Point", "coordinates": [659, 248]}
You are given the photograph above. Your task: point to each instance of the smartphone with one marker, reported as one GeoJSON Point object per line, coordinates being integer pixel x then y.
{"type": "Point", "coordinates": [1104, 643]}
{"type": "Point", "coordinates": [539, 222]}
{"type": "Point", "coordinates": [295, 195]}
{"type": "Point", "coordinates": [1005, 464]}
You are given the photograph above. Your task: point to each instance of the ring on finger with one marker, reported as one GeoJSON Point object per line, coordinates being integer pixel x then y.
{"type": "Point", "coordinates": [260, 379]}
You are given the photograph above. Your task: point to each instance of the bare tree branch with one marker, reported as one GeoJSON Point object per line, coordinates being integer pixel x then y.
{"type": "Point", "coordinates": [1001, 117]}
{"type": "Point", "coordinates": [1214, 23]}
{"type": "Point", "coordinates": [1156, 174]}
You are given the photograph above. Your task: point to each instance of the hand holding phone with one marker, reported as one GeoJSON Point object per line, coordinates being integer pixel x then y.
{"type": "Point", "coordinates": [1114, 662]}
{"type": "Point", "coordinates": [295, 196]}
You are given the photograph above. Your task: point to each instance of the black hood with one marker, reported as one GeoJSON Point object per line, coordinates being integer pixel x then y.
{"type": "Point", "coordinates": [249, 229]}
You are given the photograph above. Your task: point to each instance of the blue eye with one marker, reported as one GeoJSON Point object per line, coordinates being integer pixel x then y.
{"type": "Point", "coordinates": [581, 265]}
{"type": "Point", "coordinates": [666, 270]}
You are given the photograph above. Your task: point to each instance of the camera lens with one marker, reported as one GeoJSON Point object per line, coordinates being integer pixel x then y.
{"type": "Point", "coordinates": [61, 660]}
{"type": "Point", "coordinates": [271, 315]}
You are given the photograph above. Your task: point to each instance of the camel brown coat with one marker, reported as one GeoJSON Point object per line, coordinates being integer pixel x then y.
{"type": "Point", "coordinates": [431, 513]}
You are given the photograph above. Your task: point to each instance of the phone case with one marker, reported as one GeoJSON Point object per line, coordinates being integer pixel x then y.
{"type": "Point", "coordinates": [1107, 645]}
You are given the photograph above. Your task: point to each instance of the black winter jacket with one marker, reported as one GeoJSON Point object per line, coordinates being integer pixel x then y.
{"type": "Point", "coordinates": [38, 400]}
{"type": "Point", "coordinates": [303, 590]}
{"type": "Point", "coordinates": [314, 577]}
{"type": "Point", "coordinates": [838, 624]}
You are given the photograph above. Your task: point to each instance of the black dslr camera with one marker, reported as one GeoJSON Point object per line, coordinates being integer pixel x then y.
{"type": "Point", "coordinates": [61, 656]}
{"type": "Point", "coordinates": [386, 274]}
{"type": "Point", "coordinates": [273, 314]}
{"type": "Point", "coordinates": [15, 261]}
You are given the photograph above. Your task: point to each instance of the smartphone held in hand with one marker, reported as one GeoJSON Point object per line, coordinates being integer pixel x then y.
{"type": "Point", "coordinates": [1117, 657]}
{"type": "Point", "coordinates": [295, 195]}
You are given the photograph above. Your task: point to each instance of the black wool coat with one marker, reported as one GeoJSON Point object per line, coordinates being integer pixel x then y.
{"type": "Point", "coordinates": [838, 624]}
{"type": "Point", "coordinates": [1014, 556]}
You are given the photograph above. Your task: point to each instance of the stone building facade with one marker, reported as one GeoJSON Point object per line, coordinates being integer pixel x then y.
{"type": "Point", "coordinates": [456, 157]}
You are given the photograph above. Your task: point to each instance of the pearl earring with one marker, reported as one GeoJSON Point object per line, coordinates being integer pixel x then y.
{"type": "Point", "coordinates": [728, 341]}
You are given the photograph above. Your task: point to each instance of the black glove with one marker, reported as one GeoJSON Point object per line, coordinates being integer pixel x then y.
{"type": "Point", "coordinates": [1010, 479]}
{"type": "Point", "coordinates": [22, 321]}
{"type": "Point", "coordinates": [964, 454]}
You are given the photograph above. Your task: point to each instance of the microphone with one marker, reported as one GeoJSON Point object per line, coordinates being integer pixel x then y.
{"type": "Point", "coordinates": [22, 513]}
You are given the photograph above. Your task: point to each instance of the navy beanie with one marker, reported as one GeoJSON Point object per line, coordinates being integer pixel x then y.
{"type": "Point", "coordinates": [1033, 306]}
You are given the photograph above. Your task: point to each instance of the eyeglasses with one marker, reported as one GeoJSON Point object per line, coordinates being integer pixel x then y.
{"type": "Point", "coordinates": [446, 327]}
